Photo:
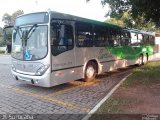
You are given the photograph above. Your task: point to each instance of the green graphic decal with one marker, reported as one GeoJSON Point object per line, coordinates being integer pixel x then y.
{"type": "Point", "coordinates": [128, 52]}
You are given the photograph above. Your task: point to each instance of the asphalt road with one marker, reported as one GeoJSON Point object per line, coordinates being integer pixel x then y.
{"type": "Point", "coordinates": [5, 59]}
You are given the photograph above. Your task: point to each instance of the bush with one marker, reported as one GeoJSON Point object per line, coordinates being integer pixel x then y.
{"type": "Point", "coordinates": [2, 52]}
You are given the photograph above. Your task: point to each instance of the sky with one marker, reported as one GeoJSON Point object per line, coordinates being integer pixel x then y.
{"type": "Point", "coordinates": [91, 10]}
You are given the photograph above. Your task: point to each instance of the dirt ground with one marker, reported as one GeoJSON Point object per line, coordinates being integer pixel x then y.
{"type": "Point", "coordinates": [138, 98]}
{"type": "Point", "coordinates": [137, 103]}
{"type": "Point", "coordinates": [141, 99]}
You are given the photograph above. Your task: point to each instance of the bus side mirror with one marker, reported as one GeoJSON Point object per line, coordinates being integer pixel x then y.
{"type": "Point", "coordinates": [7, 37]}
{"type": "Point", "coordinates": [7, 33]}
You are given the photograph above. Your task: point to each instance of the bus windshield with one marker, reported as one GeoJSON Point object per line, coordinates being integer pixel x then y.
{"type": "Point", "coordinates": [29, 43]}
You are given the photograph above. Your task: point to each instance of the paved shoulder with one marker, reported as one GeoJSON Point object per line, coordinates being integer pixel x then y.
{"type": "Point", "coordinates": [5, 59]}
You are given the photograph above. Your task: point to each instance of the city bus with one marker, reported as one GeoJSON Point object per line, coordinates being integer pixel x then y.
{"type": "Point", "coordinates": [52, 48]}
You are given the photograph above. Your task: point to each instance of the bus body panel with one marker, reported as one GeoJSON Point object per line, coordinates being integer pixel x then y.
{"type": "Point", "coordinates": [43, 80]}
{"type": "Point", "coordinates": [67, 75]}
{"type": "Point", "coordinates": [20, 71]}
{"type": "Point", "coordinates": [63, 66]}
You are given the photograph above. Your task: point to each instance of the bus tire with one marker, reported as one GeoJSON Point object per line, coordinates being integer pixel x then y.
{"type": "Point", "coordinates": [90, 71]}
{"type": "Point", "coordinates": [145, 59]}
{"type": "Point", "coordinates": [140, 60]}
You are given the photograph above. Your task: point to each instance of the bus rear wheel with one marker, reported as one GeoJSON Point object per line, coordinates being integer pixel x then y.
{"type": "Point", "coordinates": [145, 59]}
{"type": "Point", "coordinates": [140, 60]}
{"type": "Point", "coordinates": [90, 71]}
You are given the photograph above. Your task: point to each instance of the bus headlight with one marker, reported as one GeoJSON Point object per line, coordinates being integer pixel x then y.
{"type": "Point", "coordinates": [42, 70]}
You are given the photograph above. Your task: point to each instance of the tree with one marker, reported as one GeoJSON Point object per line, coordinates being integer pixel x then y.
{"type": "Point", "coordinates": [128, 21]}
{"type": "Point", "coordinates": [15, 14]}
{"type": "Point", "coordinates": [1, 32]}
{"type": "Point", "coordinates": [148, 9]}
{"type": "Point", "coordinates": [7, 19]}
{"type": "Point", "coordinates": [10, 19]}
{"type": "Point", "coordinates": [124, 20]}
{"type": "Point", "coordinates": [2, 42]}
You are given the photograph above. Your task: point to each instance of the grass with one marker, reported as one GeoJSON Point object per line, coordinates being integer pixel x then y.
{"type": "Point", "coordinates": [111, 106]}
{"type": "Point", "coordinates": [144, 75]}
{"type": "Point", "coordinates": [2, 52]}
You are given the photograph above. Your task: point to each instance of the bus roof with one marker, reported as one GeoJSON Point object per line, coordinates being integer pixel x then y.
{"type": "Point", "coordinates": [58, 15]}
{"type": "Point", "coordinates": [81, 19]}
{"type": "Point", "coordinates": [139, 31]}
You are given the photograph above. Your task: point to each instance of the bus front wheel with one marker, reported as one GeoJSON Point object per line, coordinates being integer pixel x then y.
{"type": "Point", "coordinates": [90, 71]}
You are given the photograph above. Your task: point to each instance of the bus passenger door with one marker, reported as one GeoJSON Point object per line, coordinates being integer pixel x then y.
{"type": "Point", "coordinates": [62, 49]}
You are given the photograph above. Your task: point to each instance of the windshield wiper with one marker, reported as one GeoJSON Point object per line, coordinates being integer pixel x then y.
{"type": "Point", "coordinates": [31, 30]}
{"type": "Point", "coordinates": [28, 33]}
{"type": "Point", "coordinates": [17, 31]}
{"type": "Point", "coordinates": [25, 34]}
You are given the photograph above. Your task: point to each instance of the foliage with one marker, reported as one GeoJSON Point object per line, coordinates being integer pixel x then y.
{"type": "Point", "coordinates": [1, 32]}
{"type": "Point", "coordinates": [7, 38]}
{"type": "Point", "coordinates": [142, 11]}
{"type": "Point", "coordinates": [111, 109]}
{"type": "Point", "coordinates": [149, 9]}
{"type": "Point", "coordinates": [1, 37]}
{"type": "Point", "coordinates": [138, 23]}
{"type": "Point", "coordinates": [10, 19]}
{"type": "Point", "coordinates": [125, 20]}
{"type": "Point", "coordinates": [149, 73]}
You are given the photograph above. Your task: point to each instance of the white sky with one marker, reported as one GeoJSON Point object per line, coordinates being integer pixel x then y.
{"type": "Point", "coordinates": [91, 10]}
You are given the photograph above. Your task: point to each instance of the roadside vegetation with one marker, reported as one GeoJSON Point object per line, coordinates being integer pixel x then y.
{"type": "Point", "coordinates": [2, 52]}
{"type": "Point", "coordinates": [139, 91]}
{"type": "Point", "coordinates": [138, 14]}
{"type": "Point", "coordinates": [144, 75]}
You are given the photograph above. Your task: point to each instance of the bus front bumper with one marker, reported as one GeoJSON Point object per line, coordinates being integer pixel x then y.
{"type": "Point", "coordinates": [43, 81]}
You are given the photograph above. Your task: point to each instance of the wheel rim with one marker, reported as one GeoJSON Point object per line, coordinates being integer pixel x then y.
{"type": "Point", "coordinates": [145, 59]}
{"type": "Point", "coordinates": [141, 60]}
{"type": "Point", "coordinates": [90, 72]}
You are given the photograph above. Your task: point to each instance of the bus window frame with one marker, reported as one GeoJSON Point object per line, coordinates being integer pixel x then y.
{"type": "Point", "coordinates": [90, 33]}
{"type": "Point", "coordinates": [66, 23]}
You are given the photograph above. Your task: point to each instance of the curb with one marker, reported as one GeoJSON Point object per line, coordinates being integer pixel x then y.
{"type": "Point", "coordinates": [104, 99]}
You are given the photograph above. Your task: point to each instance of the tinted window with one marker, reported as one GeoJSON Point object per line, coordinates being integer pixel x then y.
{"type": "Point", "coordinates": [125, 38]}
{"type": "Point", "coordinates": [114, 39]}
{"type": "Point", "coordinates": [146, 39]}
{"type": "Point", "coordinates": [134, 39]}
{"type": "Point", "coordinates": [100, 36]}
{"type": "Point", "coordinates": [61, 37]}
{"type": "Point", "coordinates": [152, 40]}
{"type": "Point", "coordinates": [84, 34]}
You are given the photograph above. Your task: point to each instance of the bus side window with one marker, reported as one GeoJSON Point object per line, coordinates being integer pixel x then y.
{"type": "Point", "coordinates": [151, 39]}
{"type": "Point", "coordinates": [114, 38]}
{"type": "Point", "coordinates": [100, 36]}
{"type": "Point", "coordinates": [84, 35]}
{"type": "Point", "coordinates": [134, 39]}
{"type": "Point", "coordinates": [125, 38]}
{"type": "Point", "coordinates": [61, 38]}
{"type": "Point", "coordinates": [68, 36]}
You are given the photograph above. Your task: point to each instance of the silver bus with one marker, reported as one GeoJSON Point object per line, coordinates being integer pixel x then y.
{"type": "Point", "coordinates": [51, 48]}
